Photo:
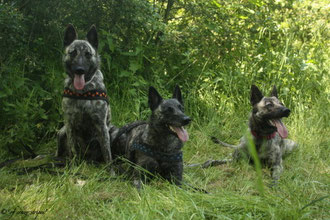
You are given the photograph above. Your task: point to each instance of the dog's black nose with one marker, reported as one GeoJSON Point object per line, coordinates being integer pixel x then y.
{"type": "Point", "coordinates": [186, 120]}
{"type": "Point", "coordinates": [79, 71]}
{"type": "Point", "coordinates": [286, 112]}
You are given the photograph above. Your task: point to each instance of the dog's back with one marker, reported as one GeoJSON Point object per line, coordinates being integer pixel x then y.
{"type": "Point", "coordinates": [120, 137]}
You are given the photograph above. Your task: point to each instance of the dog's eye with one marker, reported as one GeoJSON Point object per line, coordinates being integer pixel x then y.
{"type": "Point", "coordinates": [88, 55]}
{"type": "Point", "coordinates": [73, 53]}
{"type": "Point", "coordinates": [269, 105]}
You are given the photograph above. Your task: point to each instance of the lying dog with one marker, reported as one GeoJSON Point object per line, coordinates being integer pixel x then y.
{"type": "Point", "coordinates": [155, 145]}
{"type": "Point", "coordinates": [268, 133]}
{"type": "Point", "coordinates": [85, 104]}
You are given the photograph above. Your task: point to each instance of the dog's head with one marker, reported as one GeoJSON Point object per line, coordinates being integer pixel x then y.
{"type": "Point", "coordinates": [269, 110]}
{"type": "Point", "coordinates": [81, 59]}
{"type": "Point", "coordinates": [168, 115]}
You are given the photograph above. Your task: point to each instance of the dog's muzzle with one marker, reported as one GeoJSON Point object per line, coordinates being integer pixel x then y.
{"type": "Point", "coordinates": [285, 112]}
{"type": "Point", "coordinates": [186, 120]}
{"type": "Point", "coordinates": [79, 71]}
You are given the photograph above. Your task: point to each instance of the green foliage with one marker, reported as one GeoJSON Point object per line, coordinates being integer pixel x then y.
{"type": "Point", "coordinates": [214, 50]}
{"type": "Point", "coordinates": [29, 112]}
{"type": "Point", "coordinates": [12, 29]}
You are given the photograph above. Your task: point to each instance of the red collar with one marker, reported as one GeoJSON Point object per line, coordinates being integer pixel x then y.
{"type": "Point", "coordinates": [89, 95]}
{"type": "Point", "coordinates": [268, 137]}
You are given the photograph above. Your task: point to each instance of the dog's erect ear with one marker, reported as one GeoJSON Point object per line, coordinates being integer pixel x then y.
{"type": "Point", "coordinates": [70, 35]}
{"type": "Point", "coordinates": [177, 94]}
{"type": "Point", "coordinates": [256, 95]}
{"type": "Point", "coordinates": [154, 98]}
{"type": "Point", "coordinates": [92, 37]}
{"type": "Point", "coordinates": [274, 92]}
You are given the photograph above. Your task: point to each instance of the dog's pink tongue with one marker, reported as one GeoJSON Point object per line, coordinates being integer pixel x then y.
{"type": "Point", "coordinates": [281, 129]}
{"type": "Point", "coordinates": [79, 81]}
{"type": "Point", "coordinates": [182, 133]}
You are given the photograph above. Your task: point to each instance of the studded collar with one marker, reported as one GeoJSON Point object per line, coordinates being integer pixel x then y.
{"type": "Point", "coordinates": [96, 94]}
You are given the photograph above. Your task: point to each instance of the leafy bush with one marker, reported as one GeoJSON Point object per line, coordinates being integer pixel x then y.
{"type": "Point", "coordinates": [214, 49]}
{"type": "Point", "coordinates": [13, 31]}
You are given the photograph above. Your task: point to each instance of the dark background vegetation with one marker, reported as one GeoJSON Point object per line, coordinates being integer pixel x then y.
{"type": "Point", "coordinates": [214, 50]}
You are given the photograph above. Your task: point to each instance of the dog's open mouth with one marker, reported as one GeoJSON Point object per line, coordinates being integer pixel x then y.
{"type": "Point", "coordinates": [180, 132]}
{"type": "Point", "coordinates": [79, 81]}
{"type": "Point", "coordinates": [281, 129]}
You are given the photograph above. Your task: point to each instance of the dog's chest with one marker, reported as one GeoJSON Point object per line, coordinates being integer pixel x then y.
{"type": "Point", "coordinates": [84, 111]}
{"type": "Point", "coordinates": [167, 143]}
{"type": "Point", "coordinates": [267, 149]}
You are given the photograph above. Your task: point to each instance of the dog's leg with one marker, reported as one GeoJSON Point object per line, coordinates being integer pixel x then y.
{"type": "Point", "coordinates": [276, 173]}
{"type": "Point", "coordinates": [172, 172]}
{"type": "Point", "coordinates": [288, 146]}
{"type": "Point", "coordinates": [102, 131]}
{"type": "Point", "coordinates": [144, 171]}
{"type": "Point", "coordinates": [104, 140]}
{"type": "Point", "coordinates": [174, 175]}
{"type": "Point", "coordinates": [137, 182]}
{"type": "Point", "coordinates": [71, 142]}
{"type": "Point", "coordinates": [276, 165]}
{"type": "Point", "coordinates": [137, 178]}
{"type": "Point", "coordinates": [62, 150]}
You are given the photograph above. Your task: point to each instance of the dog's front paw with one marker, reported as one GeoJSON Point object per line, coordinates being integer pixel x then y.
{"type": "Point", "coordinates": [138, 184]}
{"type": "Point", "coordinates": [273, 184]}
{"type": "Point", "coordinates": [112, 172]}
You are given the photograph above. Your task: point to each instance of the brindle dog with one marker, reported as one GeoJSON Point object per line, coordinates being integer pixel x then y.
{"type": "Point", "coordinates": [155, 145]}
{"type": "Point", "coordinates": [268, 133]}
{"type": "Point", "coordinates": [85, 134]}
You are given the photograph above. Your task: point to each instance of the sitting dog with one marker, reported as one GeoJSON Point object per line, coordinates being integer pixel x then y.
{"type": "Point", "coordinates": [268, 133]}
{"type": "Point", "coordinates": [155, 145]}
{"type": "Point", "coordinates": [85, 104]}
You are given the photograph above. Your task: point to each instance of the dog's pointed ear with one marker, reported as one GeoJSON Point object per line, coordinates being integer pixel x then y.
{"type": "Point", "coordinates": [177, 94]}
{"type": "Point", "coordinates": [70, 35]}
{"type": "Point", "coordinates": [154, 98]}
{"type": "Point", "coordinates": [256, 95]}
{"type": "Point", "coordinates": [92, 37]}
{"type": "Point", "coordinates": [274, 92]}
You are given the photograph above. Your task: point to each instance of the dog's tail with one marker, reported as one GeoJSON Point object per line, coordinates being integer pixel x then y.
{"type": "Point", "coordinates": [217, 141]}
{"type": "Point", "coordinates": [210, 163]}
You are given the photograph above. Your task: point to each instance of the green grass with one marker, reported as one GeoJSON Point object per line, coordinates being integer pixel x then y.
{"type": "Point", "coordinates": [303, 191]}
{"type": "Point", "coordinates": [289, 49]}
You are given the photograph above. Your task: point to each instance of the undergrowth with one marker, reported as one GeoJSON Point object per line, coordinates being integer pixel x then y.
{"type": "Point", "coordinates": [89, 192]}
{"type": "Point", "coordinates": [214, 52]}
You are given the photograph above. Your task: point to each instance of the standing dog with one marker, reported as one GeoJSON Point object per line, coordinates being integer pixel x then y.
{"type": "Point", "coordinates": [155, 145]}
{"type": "Point", "coordinates": [85, 104]}
{"type": "Point", "coordinates": [268, 133]}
